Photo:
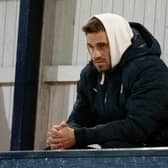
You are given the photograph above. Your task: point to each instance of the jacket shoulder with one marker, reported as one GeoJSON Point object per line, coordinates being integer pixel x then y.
{"type": "Point", "coordinates": [151, 63]}
{"type": "Point", "coordinates": [145, 69]}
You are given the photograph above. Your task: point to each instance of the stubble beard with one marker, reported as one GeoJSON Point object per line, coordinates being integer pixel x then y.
{"type": "Point", "coordinates": [102, 68]}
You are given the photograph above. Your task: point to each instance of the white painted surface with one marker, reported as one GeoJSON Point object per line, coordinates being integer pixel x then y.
{"type": "Point", "coordinates": [165, 49]}
{"type": "Point", "coordinates": [129, 6]}
{"type": "Point", "coordinates": [61, 73]}
{"type": "Point", "coordinates": [63, 22]}
{"type": "Point", "coordinates": [118, 7]}
{"type": "Point", "coordinates": [149, 14]}
{"type": "Point", "coordinates": [9, 14]}
{"type": "Point", "coordinates": [7, 75]}
{"type": "Point", "coordinates": [139, 8]}
{"type": "Point", "coordinates": [80, 54]}
{"type": "Point", "coordinates": [57, 44]}
{"type": "Point", "coordinates": [107, 5]}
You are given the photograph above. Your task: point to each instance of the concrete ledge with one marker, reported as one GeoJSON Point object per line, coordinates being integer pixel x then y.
{"type": "Point", "coordinates": [109, 158]}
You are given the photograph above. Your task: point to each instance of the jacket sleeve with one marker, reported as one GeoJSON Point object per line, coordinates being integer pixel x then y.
{"type": "Point", "coordinates": [81, 116]}
{"type": "Point", "coordinates": [146, 106]}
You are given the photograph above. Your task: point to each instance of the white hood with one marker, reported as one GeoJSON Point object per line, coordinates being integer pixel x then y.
{"type": "Point", "coordinates": [119, 34]}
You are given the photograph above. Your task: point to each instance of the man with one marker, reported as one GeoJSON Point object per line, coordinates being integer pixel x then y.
{"type": "Point", "coordinates": [122, 95]}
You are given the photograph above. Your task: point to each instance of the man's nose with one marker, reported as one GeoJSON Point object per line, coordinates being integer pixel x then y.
{"type": "Point", "coordinates": [96, 54]}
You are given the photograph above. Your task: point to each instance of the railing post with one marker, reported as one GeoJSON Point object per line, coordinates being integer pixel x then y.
{"type": "Point", "coordinates": [26, 78]}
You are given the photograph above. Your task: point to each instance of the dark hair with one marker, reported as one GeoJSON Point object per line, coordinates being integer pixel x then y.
{"type": "Point", "coordinates": [93, 25]}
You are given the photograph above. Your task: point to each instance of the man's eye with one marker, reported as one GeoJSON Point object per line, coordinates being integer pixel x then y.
{"type": "Point", "coordinates": [102, 46]}
{"type": "Point", "coordinates": [89, 46]}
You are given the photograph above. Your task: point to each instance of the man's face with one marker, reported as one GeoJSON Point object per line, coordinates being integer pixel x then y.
{"type": "Point", "coordinates": [99, 50]}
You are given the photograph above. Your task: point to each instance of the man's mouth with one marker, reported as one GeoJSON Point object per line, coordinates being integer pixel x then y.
{"type": "Point", "coordinates": [99, 62]}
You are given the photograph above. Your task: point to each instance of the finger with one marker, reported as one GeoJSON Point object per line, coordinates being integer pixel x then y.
{"type": "Point", "coordinates": [51, 140]}
{"type": "Point", "coordinates": [53, 135]}
{"type": "Point", "coordinates": [48, 142]}
{"type": "Point", "coordinates": [56, 146]}
{"type": "Point", "coordinates": [49, 133]}
{"type": "Point", "coordinates": [58, 127]}
{"type": "Point", "coordinates": [63, 124]}
{"type": "Point", "coordinates": [53, 128]}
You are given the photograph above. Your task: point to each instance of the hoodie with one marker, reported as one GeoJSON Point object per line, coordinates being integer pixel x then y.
{"type": "Point", "coordinates": [130, 108]}
{"type": "Point", "coordinates": [119, 35]}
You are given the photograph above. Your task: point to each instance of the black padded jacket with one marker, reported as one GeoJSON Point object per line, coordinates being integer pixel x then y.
{"type": "Point", "coordinates": [131, 108]}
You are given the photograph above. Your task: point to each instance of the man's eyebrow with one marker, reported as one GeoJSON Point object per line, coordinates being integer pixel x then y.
{"type": "Point", "coordinates": [102, 43]}
{"type": "Point", "coordinates": [99, 43]}
{"type": "Point", "coordinates": [89, 44]}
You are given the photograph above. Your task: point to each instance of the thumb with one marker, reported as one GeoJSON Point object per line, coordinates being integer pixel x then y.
{"type": "Point", "coordinates": [63, 124]}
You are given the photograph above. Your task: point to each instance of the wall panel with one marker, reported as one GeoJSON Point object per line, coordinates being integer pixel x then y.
{"type": "Point", "coordinates": [9, 14]}
{"type": "Point", "coordinates": [129, 6]}
{"type": "Point", "coordinates": [63, 32]}
{"type": "Point", "coordinates": [107, 5]}
{"type": "Point", "coordinates": [83, 11]}
{"type": "Point", "coordinates": [96, 6]}
{"type": "Point", "coordinates": [139, 8]}
{"type": "Point", "coordinates": [2, 29]}
{"type": "Point", "coordinates": [160, 21]}
{"type": "Point", "coordinates": [57, 45]}
{"type": "Point", "coordinates": [149, 14]}
{"type": "Point", "coordinates": [118, 7]}
{"type": "Point", "coordinates": [165, 48]}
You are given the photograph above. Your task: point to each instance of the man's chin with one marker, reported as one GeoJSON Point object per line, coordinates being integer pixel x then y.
{"type": "Point", "coordinates": [102, 69]}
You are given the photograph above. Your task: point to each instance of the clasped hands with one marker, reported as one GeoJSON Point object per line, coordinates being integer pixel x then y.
{"type": "Point", "coordinates": [61, 136]}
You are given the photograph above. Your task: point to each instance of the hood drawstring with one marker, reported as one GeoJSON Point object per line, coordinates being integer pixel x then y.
{"type": "Point", "coordinates": [102, 78]}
